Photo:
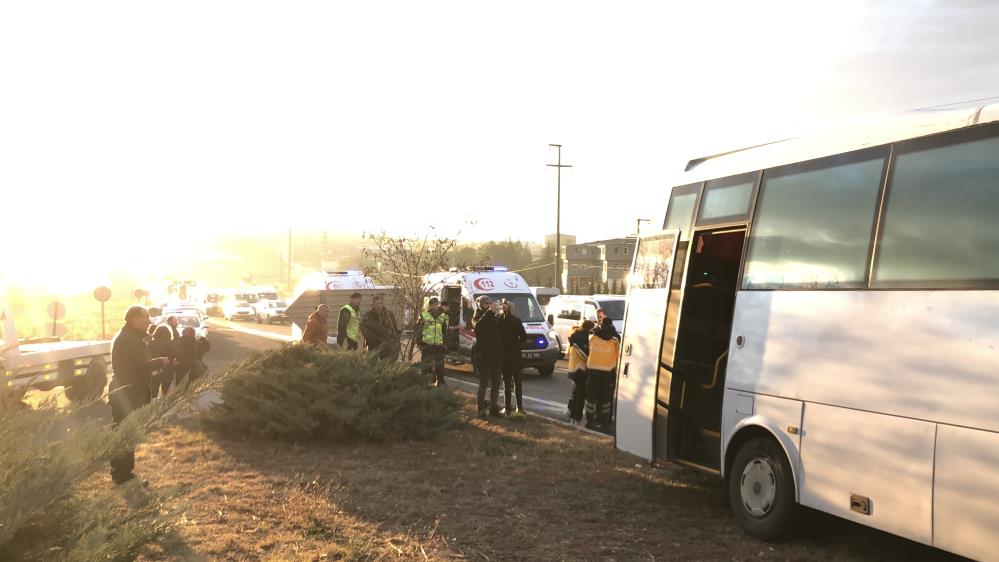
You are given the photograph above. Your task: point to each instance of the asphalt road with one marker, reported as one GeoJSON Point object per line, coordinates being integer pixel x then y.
{"type": "Point", "coordinates": [232, 341]}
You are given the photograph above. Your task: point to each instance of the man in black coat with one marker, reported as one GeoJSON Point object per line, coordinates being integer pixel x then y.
{"type": "Point", "coordinates": [514, 336]}
{"type": "Point", "coordinates": [380, 330]}
{"type": "Point", "coordinates": [130, 385]}
{"type": "Point", "coordinates": [487, 355]}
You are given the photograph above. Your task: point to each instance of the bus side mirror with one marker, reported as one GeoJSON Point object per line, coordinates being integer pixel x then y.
{"type": "Point", "coordinates": [551, 320]}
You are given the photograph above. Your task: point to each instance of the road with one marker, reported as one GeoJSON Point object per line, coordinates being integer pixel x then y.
{"type": "Point", "coordinates": [231, 341]}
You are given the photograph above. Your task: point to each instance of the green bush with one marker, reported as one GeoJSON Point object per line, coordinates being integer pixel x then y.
{"type": "Point", "coordinates": [50, 509]}
{"type": "Point", "coordinates": [305, 393]}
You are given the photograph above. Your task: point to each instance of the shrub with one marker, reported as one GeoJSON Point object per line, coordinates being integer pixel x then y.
{"type": "Point", "coordinates": [305, 393]}
{"type": "Point", "coordinates": [49, 509]}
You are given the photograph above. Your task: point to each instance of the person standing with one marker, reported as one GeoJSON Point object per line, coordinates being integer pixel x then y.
{"type": "Point", "coordinates": [380, 330]}
{"type": "Point", "coordinates": [514, 336]}
{"type": "Point", "coordinates": [132, 370]}
{"type": "Point", "coordinates": [430, 329]}
{"type": "Point", "coordinates": [316, 327]}
{"type": "Point", "coordinates": [488, 355]}
{"type": "Point", "coordinates": [579, 350]}
{"type": "Point", "coordinates": [163, 347]}
{"type": "Point", "coordinates": [173, 321]}
{"type": "Point", "coordinates": [601, 365]}
{"type": "Point", "coordinates": [186, 348]}
{"type": "Point", "coordinates": [348, 326]}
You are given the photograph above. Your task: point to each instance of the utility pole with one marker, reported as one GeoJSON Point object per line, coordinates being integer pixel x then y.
{"type": "Point", "coordinates": [558, 216]}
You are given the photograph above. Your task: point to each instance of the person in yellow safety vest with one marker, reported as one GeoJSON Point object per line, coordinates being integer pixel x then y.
{"type": "Point", "coordinates": [579, 351]}
{"type": "Point", "coordinates": [348, 326]}
{"type": "Point", "coordinates": [431, 328]}
{"type": "Point", "coordinates": [601, 365]}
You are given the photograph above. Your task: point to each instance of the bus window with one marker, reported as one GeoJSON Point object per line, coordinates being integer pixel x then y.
{"type": "Point", "coordinates": [681, 209]}
{"type": "Point", "coordinates": [727, 199]}
{"type": "Point", "coordinates": [939, 226]}
{"type": "Point", "coordinates": [813, 223]}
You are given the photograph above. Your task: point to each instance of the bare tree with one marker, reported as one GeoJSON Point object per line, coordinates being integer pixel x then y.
{"type": "Point", "coordinates": [402, 262]}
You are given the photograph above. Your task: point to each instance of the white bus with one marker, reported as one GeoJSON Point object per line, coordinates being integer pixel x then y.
{"type": "Point", "coordinates": [818, 323]}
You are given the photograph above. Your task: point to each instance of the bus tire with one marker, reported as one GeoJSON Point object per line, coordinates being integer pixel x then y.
{"type": "Point", "coordinates": [546, 370]}
{"type": "Point", "coordinates": [761, 489]}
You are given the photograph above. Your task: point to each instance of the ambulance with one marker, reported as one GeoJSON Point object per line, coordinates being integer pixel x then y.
{"type": "Point", "coordinates": [462, 286]}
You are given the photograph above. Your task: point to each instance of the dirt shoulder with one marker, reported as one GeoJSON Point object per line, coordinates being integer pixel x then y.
{"type": "Point", "coordinates": [491, 490]}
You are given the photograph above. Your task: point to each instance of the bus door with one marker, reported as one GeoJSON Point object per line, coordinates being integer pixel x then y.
{"type": "Point", "coordinates": [641, 365]}
{"type": "Point", "coordinates": [452, 295]}
{"type": "Point", "coordinates": [701, 351]}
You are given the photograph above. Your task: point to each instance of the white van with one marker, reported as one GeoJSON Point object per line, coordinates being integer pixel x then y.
{"type": "Point", "coordinates": [566, 311]}
{"type": "Point", "coordinates": [461, 286]}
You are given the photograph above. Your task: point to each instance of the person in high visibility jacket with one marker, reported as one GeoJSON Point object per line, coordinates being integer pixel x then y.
{"type": "Point", "coordinates": [579, 351]}
{"type": "Point", "coordinates": [348, 326]}
{"type": "Point", "coordinates": [430, 329]}
{"type": "Point", "coordinates": [601, 366]}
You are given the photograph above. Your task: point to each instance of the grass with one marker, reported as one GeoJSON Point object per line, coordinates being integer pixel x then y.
{"type": "Point", "coordinates": [489, 490]}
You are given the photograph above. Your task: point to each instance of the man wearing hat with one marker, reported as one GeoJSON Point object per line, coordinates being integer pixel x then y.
{"type": "Point", "coordinates": [431, 328]}
{"type": "Point", "coordinates": [488, 354]}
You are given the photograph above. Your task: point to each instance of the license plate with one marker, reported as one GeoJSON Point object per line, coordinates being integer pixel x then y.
{"type": "Point", "coordinates": [532, 355]}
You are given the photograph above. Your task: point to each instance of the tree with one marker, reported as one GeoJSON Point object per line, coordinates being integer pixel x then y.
{"type": "Point", "coordinates": [404, 263]}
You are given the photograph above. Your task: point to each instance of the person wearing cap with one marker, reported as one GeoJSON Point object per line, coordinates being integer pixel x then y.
{"type": "Point", "coordinates": [316, 327]}
{"type": "Point", "coordinates": [431, 328]}
{"type": "Point", "coordinates": [132, 372]}
{"type": "Point", "coordinates": [348, 326]}
{"type": "Point", "coordinates": [487, 355]}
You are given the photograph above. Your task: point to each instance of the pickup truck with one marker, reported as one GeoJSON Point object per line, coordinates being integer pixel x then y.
{"type": "Point", "coordinates": [81, 367]}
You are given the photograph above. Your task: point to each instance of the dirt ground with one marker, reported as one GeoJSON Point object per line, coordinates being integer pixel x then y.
{"type": "Point", "coordinates": [492, 490]}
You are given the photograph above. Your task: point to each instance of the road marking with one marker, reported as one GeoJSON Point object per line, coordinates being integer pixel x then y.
{"type": "Point", "coordinates": [258, 333]}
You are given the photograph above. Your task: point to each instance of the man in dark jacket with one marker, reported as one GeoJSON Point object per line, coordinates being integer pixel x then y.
{"type": "Point", "coordinates": [130, 385]}
{"type": "Point", "coordinates": [514, 336]}
{"type": "Point", "coordinates": [487, 355]}
{"type": "Point", "coordinates": [380, 330]}
{"type": "Point", "coordinates": [187, 356]}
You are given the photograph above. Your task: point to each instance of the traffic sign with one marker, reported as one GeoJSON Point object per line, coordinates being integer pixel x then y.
{"type": "Point", "coordinates": [56, 310]}
{"type": "Point", "coordinates": [102, 293]}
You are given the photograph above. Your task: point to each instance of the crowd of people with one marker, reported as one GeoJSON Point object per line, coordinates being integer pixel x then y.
{"type": "Point", "coordinates": [496, 354]}
{"type": "Point", "coordinates": [147, 360]}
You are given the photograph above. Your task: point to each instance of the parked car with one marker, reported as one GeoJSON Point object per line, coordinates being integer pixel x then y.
{"type": "Point", "coordinates": [193, 321]}
{"type": "Point", "coordinates": [272, 311]}
{"type": "Point", "coordinates": [566, 311]}
{"type": "Point", "coordinates": [238, 310]}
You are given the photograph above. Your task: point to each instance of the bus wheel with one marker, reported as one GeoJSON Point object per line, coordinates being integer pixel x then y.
{"type": "Point", "coordinates": [546, 370]}
{"type": "Point", "coordinates": [761, 489]}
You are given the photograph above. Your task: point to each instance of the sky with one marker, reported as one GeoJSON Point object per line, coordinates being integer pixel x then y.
{"type": "Point", "coordinates": [131, 132]}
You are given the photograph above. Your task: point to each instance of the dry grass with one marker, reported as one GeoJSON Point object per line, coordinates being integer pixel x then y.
{"type": "Point", "coordinates": [492, 490]}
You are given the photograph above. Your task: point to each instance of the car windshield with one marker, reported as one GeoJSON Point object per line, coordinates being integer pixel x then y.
{"type": "Point", "coordinates": [246, 298]}
{"type": "Point", "coordinates": [189, 321]}
{"type": "Point", "coordinates": [525, 306]}
{"type": "Point", "coordinates": [614, 309]}
{"type": "Point", "coordinates": [267, 296]}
